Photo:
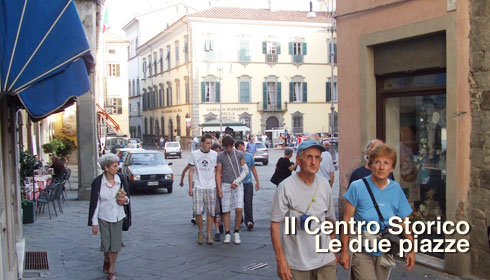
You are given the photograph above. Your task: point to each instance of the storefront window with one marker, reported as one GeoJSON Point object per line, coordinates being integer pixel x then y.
{"type": "Point", "coordinates": [415, 125]}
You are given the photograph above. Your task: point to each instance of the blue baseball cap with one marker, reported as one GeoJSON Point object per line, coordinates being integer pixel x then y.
{"type": "Point", "coordinates": [306, 144]}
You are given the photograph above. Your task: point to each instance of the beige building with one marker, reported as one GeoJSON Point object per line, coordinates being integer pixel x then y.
{"type": "Point", "coordinates": [418, 80]}
{"type": "Point", "coordinates": [113, 84]}
{"type": "Point", "coordinates": [264, 69]}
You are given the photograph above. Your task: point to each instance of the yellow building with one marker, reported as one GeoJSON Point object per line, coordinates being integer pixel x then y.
{"type": "Point", "coordinates": [266, 69]}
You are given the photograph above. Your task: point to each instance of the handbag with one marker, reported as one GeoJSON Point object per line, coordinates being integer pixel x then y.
{"type": "Point", "coordinates": [385, 234]}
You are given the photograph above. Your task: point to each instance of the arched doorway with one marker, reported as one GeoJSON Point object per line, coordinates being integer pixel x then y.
{"type": "Point", "coordinates": [170, 130]}
{"type": "Point", "coordinates": [271, 123]}
{"type": "Point", "coordinates": [139, 132]}
{"type": "Point", "coordinates": [162, 122]}
{"type": "Point", "coordinates": [157, 129]}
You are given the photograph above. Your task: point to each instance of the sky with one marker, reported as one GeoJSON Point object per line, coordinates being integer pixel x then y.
{"type": "Point", "coordinates": [122, 11]}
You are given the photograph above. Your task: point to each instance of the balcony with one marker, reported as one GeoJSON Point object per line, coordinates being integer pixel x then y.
{"type": "Point", "coordinates": [272, 108]}
{"type": "Point", "coordinates": [271, 58]}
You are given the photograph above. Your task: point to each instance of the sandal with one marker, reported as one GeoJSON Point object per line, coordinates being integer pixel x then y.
{"type": "Point", "coordinates": [111, 276]}
{"type": "Point", "coordinates": [106, 266]}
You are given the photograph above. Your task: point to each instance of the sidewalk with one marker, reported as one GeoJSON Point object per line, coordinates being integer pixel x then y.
{"type": "Point", "coordinates": [161, 244]}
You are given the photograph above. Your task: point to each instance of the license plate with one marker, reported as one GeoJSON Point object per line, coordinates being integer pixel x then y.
{"type": "Point", "coordinates": [152, 183]}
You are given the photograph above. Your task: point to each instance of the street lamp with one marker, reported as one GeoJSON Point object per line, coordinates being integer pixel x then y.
{"type": "Point", "coordinates": [220, 78]}
{"type": "Point", "coordinates": [332, 65]}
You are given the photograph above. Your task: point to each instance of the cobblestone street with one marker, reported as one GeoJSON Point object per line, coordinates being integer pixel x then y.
{"type": "Point", "coordinates": [162, 242]}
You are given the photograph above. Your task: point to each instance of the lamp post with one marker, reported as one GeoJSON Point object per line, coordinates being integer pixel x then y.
{"type": "Point", "coordinates": [220, 78]}
{"type": "Point", "coordinates": [332, 66]}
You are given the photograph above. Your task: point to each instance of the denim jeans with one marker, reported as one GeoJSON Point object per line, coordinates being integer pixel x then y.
{"type": "Point", "coordinates": [248, 193]}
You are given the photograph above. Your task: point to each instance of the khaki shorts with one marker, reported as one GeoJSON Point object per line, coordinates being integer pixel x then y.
{"type": "Point", "coordinates": [328, 271]}
{"type": "Point", "coordinates": [366, 267]}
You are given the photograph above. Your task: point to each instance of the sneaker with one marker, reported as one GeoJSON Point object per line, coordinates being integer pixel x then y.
{"type": "Point", "coordinates": [227, 238]}
{"type": "Point", "coordinates": [217, 237]}
{"type": "Point", "coordinates": [200, 238]}
{"type": "Point", "coordinates": [193, 221]}
{"type": "Point", "coordinates": [236, 238]}
{"type": "Point", "coordinates": [221, 229]}
{"type": "Point", "coordinates": [250, 226]}
{"type": "Point", "coordinates": [210, 239]}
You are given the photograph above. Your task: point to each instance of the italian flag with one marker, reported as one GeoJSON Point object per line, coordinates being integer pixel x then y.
{"type": "Point", "coordinates": [105, 20]}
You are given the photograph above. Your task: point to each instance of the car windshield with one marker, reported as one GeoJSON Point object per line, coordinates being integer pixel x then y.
{"type": "Point", "coordinates": [260, 146]}
{"type": "Point", "coordinates": [147, 159]}
{"type": "Point", "coordinates": [172, 145]}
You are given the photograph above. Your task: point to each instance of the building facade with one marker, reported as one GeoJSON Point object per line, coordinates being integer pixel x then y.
{"type": "Point", "coordinates": [265, 69]}
{"type": "Point", "coordinates": [415, 80]}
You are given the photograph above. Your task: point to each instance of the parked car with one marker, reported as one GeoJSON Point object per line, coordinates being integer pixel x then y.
{"type": "Point", "coordinates": [147, 170]}
{"type": "Point", "coordinates": [121, 154]}
{"type": "Point", "coordinates": [172, 149]}
{"type": "Point", "coordinates": [262, 154]}
{"type": "Point", "coordinates": [111, 143]}
{"type": "Point", "coordinates": [135, 143]}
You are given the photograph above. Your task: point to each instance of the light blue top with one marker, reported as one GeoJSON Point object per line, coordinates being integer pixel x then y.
{"type": "Point", "coordinates": [249, 159]}
{"type": "Point", "coordinates": [391, 201]}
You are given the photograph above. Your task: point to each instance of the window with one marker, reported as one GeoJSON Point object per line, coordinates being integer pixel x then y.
{"type": "Point", "coordinates": [138, 106]}
{"type": "Point", "coordinates": [138, 85]}
{"type": "Point", "coordinates": [168, 57]}
{"type": "Point", "coordinates": [145, 101]}
{"type": "Point", "coordinates": [297, 50]}
{"type": "Point", "coordinates": [169, 94]}
{"type": "Point", "coordinates": [245, 118]}
{"type": "Point", "coordinates": [130, 109]}
{"type": "Point", "coordinates": [178, 125]}
{"type": "Point", "coordinates": [129, 88]}
{"type": "Point", "coordinates": [150, 66]}
{"type": "Point", "coordinates": [210, 92]}
{"type": "Point", "coordinates": [297, 122]}
{"type": "Point", "coordinates": [177, 91]}
{"type": "Point", "coordinates": [157, 97]}
{"type": "Point", "coordinates": [297, 90]}
{"type": "Point", "coordinates": [244, 53]}
{"type": "Point", "coordinates": [160, 93]}
{"type": "Point", "coordinates": [186, 50]}
{"type": "Point", "coordinates": [112, 51]}
{"type": "Point", "coordinates": [113, 106]}
{"type": "Point", "coordinates": [329, 91]}
{"type": "Point", "coordinates": [146, 126]}
{"type": "Point", "coordinates": [187, 91]}
{"type": "Point", "coordinates": [177, 53]}
{"type": "Point", "coordinates": [113, 70]}
{"type": "Point", "coordinates": [332, 49]}
{"type": "Point", "coordinates": [160, 61]}
{"type": "Point", "coordinates": [271, 50]}
{"type": "Point", "coordinates": [144, 67]}
{"type": "Point", "coordinates": [155, 62]}
{"type": "Point", "coordinates": [244, 89]}
{"type": "Point", "coordinates": [209, 49]}
{"type": "Point", "coordinates": [271, 94]}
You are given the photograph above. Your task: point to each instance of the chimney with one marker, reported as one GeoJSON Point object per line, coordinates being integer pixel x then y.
{"type": "Point", "coordinates": [271, 6]}
{"type": "Point", "coordinates": [311, 14]}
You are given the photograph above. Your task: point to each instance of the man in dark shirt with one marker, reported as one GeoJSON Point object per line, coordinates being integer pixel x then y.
{"type": "Point", "coordinates": [284, 167]}
{"type": "Point", "coordinates": [364, 170]}
{"type": "Point", "coordinates": [58, 167]}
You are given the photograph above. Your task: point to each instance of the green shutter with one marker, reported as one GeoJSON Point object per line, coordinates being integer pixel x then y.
{"type": "Point", "coordinates": [304, 48]}
{"type": "Point", "coordinates": [329, 52]}
{"type": "Point", "coordinates": [243, 50]}
{"type": "Point", "coordinates": [264, 47]}
{"type": "Point", "coordinates": [305, 93]}
{"type": "Point", "coordinates": [328, 93]}
{"type": "Point", "coordinates": [244, 92]}
{"type": "Point", "coordinates": [218, 91]}
{"type": "Point", "coordinates": [264, 94]}
{"type": "Point", "coordinates": [203, 92]}
{"type": "Point", "coordinates": [279, 95]}
{"type": "Point", "coordinates": [291, 92]}
{"type": "Point", "coordinates": [335, 53]}
{"type": "Point", "coordinates": [290, 47]}
{"type": "Point", "coordinates": [278, 48]}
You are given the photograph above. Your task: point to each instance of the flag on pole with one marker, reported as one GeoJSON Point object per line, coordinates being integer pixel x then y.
{"type": "Point", "coordinates": [105, 20]}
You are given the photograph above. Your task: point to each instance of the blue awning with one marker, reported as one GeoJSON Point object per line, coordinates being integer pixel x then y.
{"type": "Point", "coordinates": [45, 58]}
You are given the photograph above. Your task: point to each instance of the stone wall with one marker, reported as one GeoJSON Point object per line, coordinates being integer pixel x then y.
{"type": "Point", "coordinates": [479, 194]}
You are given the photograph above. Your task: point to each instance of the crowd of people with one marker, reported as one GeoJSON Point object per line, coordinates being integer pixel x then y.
{"type": "Point", "coordinates": [220, 182]}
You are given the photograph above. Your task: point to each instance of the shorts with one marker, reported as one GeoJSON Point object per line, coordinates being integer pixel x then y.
{"type": "Point", "coordinates": [232, 198]}
{"type": "Point", "coordinates": [204, 200]}
{"type": "Point", "coordinates": [218, 210]}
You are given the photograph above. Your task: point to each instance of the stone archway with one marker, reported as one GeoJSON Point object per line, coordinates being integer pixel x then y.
{"type": "Point", "coordinates": [271, 123]}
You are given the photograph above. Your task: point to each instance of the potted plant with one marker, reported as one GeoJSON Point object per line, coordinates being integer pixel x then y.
{"type": "Point", "coordinates": [61, 146]}
{"type": "Point", "coordinates": [27, 166]}
{"type": "Point", "coordinates": [28, 211]}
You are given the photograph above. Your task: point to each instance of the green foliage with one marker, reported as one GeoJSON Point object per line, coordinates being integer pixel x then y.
{"type": "Point", "coordinates": [61, 146]}
{"type": "Point", "coordinates": [27, 164]}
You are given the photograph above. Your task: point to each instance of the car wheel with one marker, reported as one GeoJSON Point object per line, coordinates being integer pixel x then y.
{"type": "Point", "coordinates": [169, 189]}
{"type": "Point", "coordinates": [265, 162]}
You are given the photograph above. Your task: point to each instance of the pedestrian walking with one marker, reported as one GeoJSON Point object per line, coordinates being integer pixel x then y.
{"type": "Point", "coordinates": [231, 170]}
{"type": "Point", "coordinates": [202, 186]}
{"type": "Point", "coordinates": [284, 167]}
{"type": "Point", "coordinates": [106, 213]}
{"type": "Point", "coordinates": [298, 197]}
{"type": "Point", "coordinates": [162, 142]}
{"type": "Point", "coordinates": [251, 146]}
{"type": "Point", "coordinates": [361, 201]}
{"type": "Point", "coordinates": [364, 170]}
{"type": "Point", "coordinates": [218, 218]}
{"type": "Point", "coordinates": [327, 169]}
{"type": "Point", "coordinates": [248, 186]}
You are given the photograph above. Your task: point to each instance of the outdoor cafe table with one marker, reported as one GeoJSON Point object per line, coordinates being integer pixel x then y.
{"type": "Point", "coordinates": [40, 182]}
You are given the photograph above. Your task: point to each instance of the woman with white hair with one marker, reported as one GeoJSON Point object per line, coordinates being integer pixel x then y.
{"type": "Point", "coordinates": [106, 212]}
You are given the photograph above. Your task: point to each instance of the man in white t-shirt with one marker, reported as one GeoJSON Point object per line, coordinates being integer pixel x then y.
{"type": "Point", "coordinates": [202, 175]}
{"type": "Point", "coordinates": [303, 194]}
{"type": "Point", "coordinates": [327, 169]}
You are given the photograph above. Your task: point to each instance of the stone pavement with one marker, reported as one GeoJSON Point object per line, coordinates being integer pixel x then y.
{"type": "Point", "coordinates": [162, 243]}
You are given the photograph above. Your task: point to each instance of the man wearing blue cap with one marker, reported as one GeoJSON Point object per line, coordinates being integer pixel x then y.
{"type": "Point", "coordinates": [301, 195]}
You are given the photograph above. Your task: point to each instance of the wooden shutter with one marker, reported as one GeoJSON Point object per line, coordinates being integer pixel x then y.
{"type": "Point", "coordinates": [264, 47]}
{"type": "Point", "coordinates": [264, 94]}
{"type": "Point", "coordinates": [278, 48]}
{"type": "Point", "coordinates": [291, 47]}
{"type": "Point", "coordinates": [217, 92]}
{"type": "Point", "coordinates": [244, 92]}
{"type": "Point", "coordinates": [328, 93]}
{"type": "Point", "coordinates": [304, 48]}
{"type": "Point", "coordinates": [291, 92]}
{"type": "Point", "coordinates": [203, 92]}
{"type": "Point", "coordinates": [278, 99]}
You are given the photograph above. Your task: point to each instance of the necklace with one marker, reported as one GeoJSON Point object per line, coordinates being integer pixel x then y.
{"type": "Point", "coordinates": [109, 185]}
